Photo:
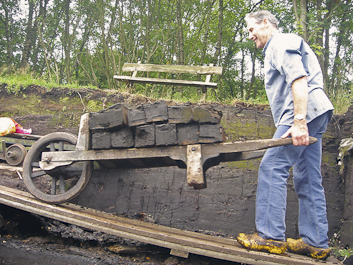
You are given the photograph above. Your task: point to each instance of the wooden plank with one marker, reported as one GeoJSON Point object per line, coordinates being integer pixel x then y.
{"type": "Point", "coordinates": [180, 114]}
{"type": "Point", "coordinates": [174, 69]}
{"type": "Point", "coordinates": [188, 133]}
{"type": "Point", "coordinates": [164, 81]}
{"type": "Point", "coordinates": [179, 253]}
{"type": "Point", "coordinates": [9, 139]}
{"type": "Point", "coordinates": [25, 136]}
{"type": "Point", "coordinates": [83, 139]}
{"type": "Point", "coordinates": [174, 152]}
{"type": "Point", "coordinates": [194, 171]}
{"type": "Point", "coordinates": [176, 239]}
{"type": "Point", "coordinates": [213, 150]}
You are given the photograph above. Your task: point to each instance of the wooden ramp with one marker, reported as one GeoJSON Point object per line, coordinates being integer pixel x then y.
{"type": "Point", "coordinates": [180, 242]}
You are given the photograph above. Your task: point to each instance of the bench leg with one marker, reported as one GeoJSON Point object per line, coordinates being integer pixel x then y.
{"type": "Point", "coordinates": [195, 174]}
{"type": "Point", "coordinates": [204, 93]}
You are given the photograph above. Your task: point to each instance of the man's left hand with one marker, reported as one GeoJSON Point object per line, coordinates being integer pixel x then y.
{"type": "Point", "coordinates": [299, 132]}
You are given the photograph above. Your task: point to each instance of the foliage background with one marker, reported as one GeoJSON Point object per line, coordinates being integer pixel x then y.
{"type": "Point", "coordinates": [86, 42]}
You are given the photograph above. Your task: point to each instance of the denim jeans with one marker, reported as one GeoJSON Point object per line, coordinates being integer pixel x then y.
{"type": "Point", "coordinates": [271, 196]}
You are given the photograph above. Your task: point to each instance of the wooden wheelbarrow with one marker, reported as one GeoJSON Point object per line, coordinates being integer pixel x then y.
{"type": "Point", "coordinates": [58, 166]}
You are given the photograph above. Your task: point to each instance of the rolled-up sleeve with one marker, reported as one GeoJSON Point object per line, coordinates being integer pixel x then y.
{"type": "Point", "coordinates": [288, 60]}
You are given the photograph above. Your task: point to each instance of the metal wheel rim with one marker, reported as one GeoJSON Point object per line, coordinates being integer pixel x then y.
{"type": "Point", "coordinates": [20, 152]}
{"type": "Point", "coordinates": [55, 186]}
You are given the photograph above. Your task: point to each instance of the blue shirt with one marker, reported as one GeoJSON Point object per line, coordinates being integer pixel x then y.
{"type": "Point", "coordinates": [287, 58]}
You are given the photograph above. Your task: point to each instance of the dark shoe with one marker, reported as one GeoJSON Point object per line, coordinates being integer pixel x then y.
{"type": "Point", "coordinates": [255, 242]}
{"type": "Point", "coordinates": [298, 246]}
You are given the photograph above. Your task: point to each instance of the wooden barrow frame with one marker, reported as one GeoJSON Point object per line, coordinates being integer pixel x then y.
{"type": "Point", "coordinates": [196, 158]}
{"type": "Point", "coordinates": [13, 148]}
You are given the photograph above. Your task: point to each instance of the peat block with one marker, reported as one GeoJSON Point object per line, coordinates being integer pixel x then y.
{"type": "Point", "coordinates": [180, 114]}
{"type": "Point", "coordinates": [166, 134]}
{"type": "Point", "coordinates": [145, 135]}
{"type": "Point", "coordinates": [136, 116]}
{"type": "Point", "coordinates": [122, 138]}
{"type": "Point", "coordinates": [155, 124]}
{"type": "Point", "coordinates": [188, 133]}
{"type": "Point", "coordinates": [101, 140]}
{"type": "Point", "coordinates": [112, 117]}
{"type": "Point", "coordinates": [207, 115]}
{"type": "Point", "coordinates": [156, 112]}
{"type": "Point", "coordinates": [211, 133]}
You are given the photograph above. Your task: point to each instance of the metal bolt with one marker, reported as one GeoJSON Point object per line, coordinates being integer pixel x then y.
{"type": "Point", "coordinates": [193, 148]}
{"type": "Point", "coordinates": [10, 154]}
{"type": "Point", "coordinates": [48, 160]}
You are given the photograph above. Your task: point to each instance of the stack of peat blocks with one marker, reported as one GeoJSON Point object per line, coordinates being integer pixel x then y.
{"type": "Point", "coordinates": [155, 124]}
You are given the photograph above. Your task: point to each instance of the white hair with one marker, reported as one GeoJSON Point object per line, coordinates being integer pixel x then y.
{"type": "Point", "coordinates": [260, 15]}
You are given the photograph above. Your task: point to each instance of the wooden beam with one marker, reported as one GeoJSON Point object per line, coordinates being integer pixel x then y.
{"type": "Point", "coordinates": [83, 139]}
{"type": "Point", "coordinates": [164, 81]}
{"type": "Point", "coordinates": [173, 69]}
{"type": "Point", "coordinates": [172, 238]}
{"type": "Point", "coordinates": [194, 171]}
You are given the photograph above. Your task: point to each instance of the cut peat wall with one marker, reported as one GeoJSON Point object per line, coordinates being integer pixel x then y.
{"type": "Point", "coordinates": [227, 205]}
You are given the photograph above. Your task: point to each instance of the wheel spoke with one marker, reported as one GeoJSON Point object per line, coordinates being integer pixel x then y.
{"type": "Point", "coordinates": [62, 184]}
{"type": "Point", "coordinates": [53, 185]}
{"type": "Point", "coordinates": [52, 147]}
{"type": "Point", "coordinates": [38, 174]}
{"type": "Point", "coordinates": [35, 164]}
{"type": "Point", "coordinates": [61, 145]}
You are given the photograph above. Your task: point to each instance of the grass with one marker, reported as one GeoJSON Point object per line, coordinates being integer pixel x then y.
{"type": "Point", "coordinates": [341, 100]}
{"type": "Point", "coordinates": [16, 80]}
{"type": "Point", "coordinates": [338, 250]}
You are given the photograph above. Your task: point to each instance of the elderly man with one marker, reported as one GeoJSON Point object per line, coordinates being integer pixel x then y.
{"type": "Point", "coordinates": [300, 108]}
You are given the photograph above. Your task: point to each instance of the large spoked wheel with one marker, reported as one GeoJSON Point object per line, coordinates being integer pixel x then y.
{"type": "Point", "coordinates": [62, 183]}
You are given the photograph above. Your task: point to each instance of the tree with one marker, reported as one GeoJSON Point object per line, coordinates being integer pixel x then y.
{"type": "Point", "coordinates": [88, 41]}
{"type": "Point", "coordinates": [6, 21]}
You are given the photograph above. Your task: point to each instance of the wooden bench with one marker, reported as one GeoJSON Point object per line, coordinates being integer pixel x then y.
{"type": "Point", "coordinates": [208, 71]}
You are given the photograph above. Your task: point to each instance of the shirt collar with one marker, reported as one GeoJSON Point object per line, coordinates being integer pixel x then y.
{"type": "Point", "coordinates": [266, 45]}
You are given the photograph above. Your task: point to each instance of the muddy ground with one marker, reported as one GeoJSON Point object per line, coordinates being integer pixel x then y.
{"type": "Point", "coordinates": [26, 239]}
{"type": "Point", "coordinates": [23, 240]}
